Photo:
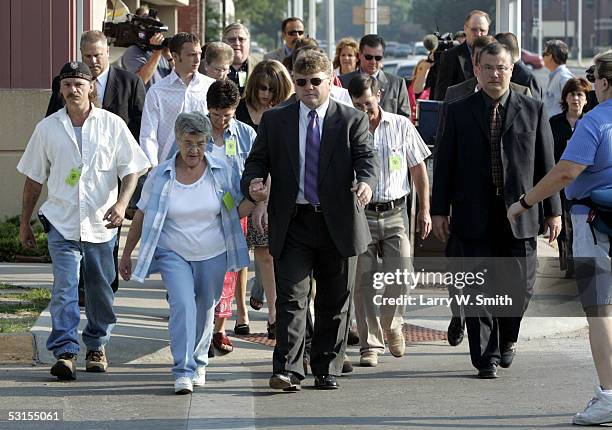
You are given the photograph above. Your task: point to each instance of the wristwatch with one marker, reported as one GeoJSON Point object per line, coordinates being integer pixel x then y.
{"type": "Point", "coordinates": [523, 202]}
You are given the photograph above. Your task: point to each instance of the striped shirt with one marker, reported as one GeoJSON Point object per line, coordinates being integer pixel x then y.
{"type": "Point", "coordinates": [399, 147]}
{"type": "Point", "coordinates": [154, 200]}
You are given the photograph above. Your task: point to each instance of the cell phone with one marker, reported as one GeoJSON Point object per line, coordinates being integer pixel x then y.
{"type": "Point", "coordinates": [45, 222]}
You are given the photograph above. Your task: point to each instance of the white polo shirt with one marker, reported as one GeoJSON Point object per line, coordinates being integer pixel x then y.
{"type": "Point", "coordinates": [82, 186]}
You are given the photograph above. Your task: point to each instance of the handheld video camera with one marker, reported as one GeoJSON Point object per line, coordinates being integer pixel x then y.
{"type": "Point", "coordinates": [438, 43]}
{"type": "Point", "coordinates": [137, 30]}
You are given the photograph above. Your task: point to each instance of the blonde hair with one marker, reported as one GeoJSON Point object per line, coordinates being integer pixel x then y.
{"type": "Point", "coordinates": [603, 65]}
{"type": "Point", "coordinates": [345, 42]}
{"type": "Point", "coordinates": [218, 51]}
{"type": "Point", "coordinates": [272, 73]}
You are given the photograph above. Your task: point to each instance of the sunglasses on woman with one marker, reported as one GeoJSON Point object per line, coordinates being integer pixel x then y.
{"type": "Point", "coordinates": [314, 81]}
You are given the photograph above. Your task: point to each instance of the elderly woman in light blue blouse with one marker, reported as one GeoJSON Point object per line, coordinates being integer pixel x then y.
{"type": "Point", "coordinates": [189, 220]}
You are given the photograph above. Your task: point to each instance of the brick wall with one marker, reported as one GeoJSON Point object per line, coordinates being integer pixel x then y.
{"type": "Point", "coordinates": [189, 17]}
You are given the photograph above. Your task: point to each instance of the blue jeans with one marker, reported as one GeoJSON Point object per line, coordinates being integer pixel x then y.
{"type": "Point", "coordinates": [99, 272]}
{"type": "Point", "coordinates": [194, 289]}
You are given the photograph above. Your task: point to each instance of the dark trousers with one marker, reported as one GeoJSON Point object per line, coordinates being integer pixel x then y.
{"type": "Point", "coordinates": [309, 248]}
{"type": "Point", "coordinates": [511, 265]}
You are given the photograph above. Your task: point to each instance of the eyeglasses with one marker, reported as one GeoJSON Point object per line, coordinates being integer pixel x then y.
{"type": "Point", "coordinates": [590, 74]}
{"type": "Point", "coordinates": [314, 81]}
{"type": "Point", "coordinates": [489, 69]}
{"type": "Point", "coordinates": [190, 146]}
{"type": "Point", "coordinates": [265, 88]}
{"type": "Point", "coordinates": [237, 39]}
{"type": "Point", "coordinates": [296, 33]}
{"type": "Point", "coordinates": [370, 57]}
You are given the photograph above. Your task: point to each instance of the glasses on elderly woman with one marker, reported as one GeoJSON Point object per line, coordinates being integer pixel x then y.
{"type": "Point", "coordinates": [190, 146]}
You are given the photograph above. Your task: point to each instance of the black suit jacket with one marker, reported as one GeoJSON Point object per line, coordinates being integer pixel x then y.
{"type": "Point", "coordinates": [455, 67]}
{"type": "Point", "coordinates": [523, 76]}
{"type": "Point", "coordinates": [394, 94]}
{"type": "Point", "coordinates": [124, 96]}
{"type": "Point", "coordinates": [462, 174]}
{"type": "Point", "coordinates": [346, 157]}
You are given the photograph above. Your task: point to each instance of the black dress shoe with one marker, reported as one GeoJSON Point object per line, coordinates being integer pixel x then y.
{"type": "Point", "coordinates": [285, 381]}
{"type": "Point", "coordinates": [488, 372]}
{"type": "Point", "coordinates": [326, 382]}
{"type": "Point", "coordinates": [353, 338]}
{"type": "Point", "coordinates": [507, 355]}
{"type": "Point", "coordinates": [454, 334]}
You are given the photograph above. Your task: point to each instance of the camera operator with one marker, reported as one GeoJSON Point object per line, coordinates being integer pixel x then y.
{"type": "Point", "coordinates": [456, 64]}
{"type": "Point", "coordinates": [150, 64]}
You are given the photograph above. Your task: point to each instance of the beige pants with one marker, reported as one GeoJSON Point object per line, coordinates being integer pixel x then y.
{"type": "Point", "coordinates": [390, 239]}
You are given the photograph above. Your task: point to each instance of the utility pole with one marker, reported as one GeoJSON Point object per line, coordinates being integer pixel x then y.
{"type": "Point", "coordinates": [289, 9]}
{"type": "Point", "coordinates": [331, 26]}
{"type": "Point", "coordinates": [540, 26]}
{"type": "Point", "coordinates": [579, 33]}
{"type": "Point", "coordinates": [370, 17]}
{"type": "Point", "coordinates": [312, 18]}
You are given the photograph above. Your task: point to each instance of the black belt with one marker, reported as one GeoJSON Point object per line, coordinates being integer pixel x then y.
{"type": "Point", "coordinates": [308, 207]}
{"type": "Point", "coordinates": [383, 207]}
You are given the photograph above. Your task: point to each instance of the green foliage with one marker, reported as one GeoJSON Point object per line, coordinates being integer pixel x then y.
{"type": "Point", "coordinates": [448, 15]}
{"type": "Point", "coordinates": [263, 18]}
{"type": "Point", "coordinates": [10, 245]}
{"type": "Point", "coordinates": [24, 307]}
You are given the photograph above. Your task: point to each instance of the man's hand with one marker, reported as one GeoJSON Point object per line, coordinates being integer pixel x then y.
{"type": "Point", "coordinates": [114, 215]}
{"type": "Point", "coordinates": [553, 223]}
{"type": "Point", "coordinates": [125, 266]}
{"type": "Point", "coordinates": [156, 39]}
{"type": "Point", "coordinates": [364, 193]}
{"type": "Point", "coordinates": [260, 217]}
{"type": "Point", "coordinates": [424, 223]}
{"type": "Point", "coordinates": [441, 229]}
{"type": "Point", "coordinates": [258, 190]}
{"type": "Point", "coordinates": [26, 235]}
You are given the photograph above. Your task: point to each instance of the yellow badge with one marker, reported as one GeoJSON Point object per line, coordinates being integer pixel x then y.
{"type": "Point", "coordinates": [228, 201]}
{"type": "Point", "coordinates": [73, 177]}
{"type": "Point", "coordinates": [230, 147]}
{"type": "Point", "coordinates": [395, 163]}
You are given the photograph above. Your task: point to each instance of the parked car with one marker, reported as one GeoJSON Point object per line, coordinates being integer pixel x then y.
{"type": "Point", "coordinates": [401, 68]}
{"type": "Point", "coordinates": [419, 49]}
{"type": "Point", "coordinates": [535, 61]}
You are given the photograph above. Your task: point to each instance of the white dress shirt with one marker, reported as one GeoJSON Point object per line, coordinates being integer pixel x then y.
{"type": "Point", "coordinates": [163, 102]}
{"type": "Point", "coordinates": [304, 111]}
{"type": "Point", "coordinates": [101, 81]}
{"type": "Point", "coordinates": [76, 204]}
{"type": "Point", "coordinates": [395, 136]}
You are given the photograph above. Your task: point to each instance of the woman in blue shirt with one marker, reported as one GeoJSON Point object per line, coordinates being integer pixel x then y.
{"type": "Point", "coordinates": [586, 166]}
{"type": "Point", "coordinates": [188, 219]}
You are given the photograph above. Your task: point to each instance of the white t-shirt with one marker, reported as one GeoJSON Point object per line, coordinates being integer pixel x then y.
{"type": "Point", "coordinates": [192, 227]}
{"type": "Point", "coordinates": [218, 151]}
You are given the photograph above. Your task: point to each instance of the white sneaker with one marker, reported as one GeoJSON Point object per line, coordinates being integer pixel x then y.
{"type": "Point", "coordinates": [598, 411]}
{"type": "Point", "coordinates": [199, 377]}
{"type": "Point", "coordinates": [183, 385]}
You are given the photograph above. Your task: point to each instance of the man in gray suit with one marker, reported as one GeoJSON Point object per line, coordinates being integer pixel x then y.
{"type": "Point", "coordinates": [293, 29]}
{"type": "Point", "coordinates": [456, 92]}
{"type": "Point", "coordinates": [394, 95]}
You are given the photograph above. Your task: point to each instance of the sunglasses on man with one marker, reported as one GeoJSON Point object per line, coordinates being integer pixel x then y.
{"type": "Point", "coordinates": [296, 33]}
{"type": "Point", "coordinates": [375, 57]}
{"type": "Point", "coordinates": [314, 81]}
{"type": "Point", "coordinates": [590, 74]}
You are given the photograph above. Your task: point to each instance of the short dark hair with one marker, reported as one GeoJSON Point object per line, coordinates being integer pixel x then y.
{"type": "Point", "coordinates": [301, 45]}
{"type": "Point", "coordinates": [360, 84]}
{"type": "Point", "coordinates": [482, 41]}
{"type": "Point", "coordinates": [558, 50]}
{"type": "Point", "coordinates": [494, 48]}
{"type": "Point", "coordinates": [459, 34]}
{"type": "Point", "coordinates": [288, 20]}
{"type": "Point", "coordinates": [222, 95]}
{"type": "Point", "coordinates": [509, 40]}
{"type": "Point", "coordinates": [371, 40]}
{"type": "Point", "coordinates": [179, 39]}
{"type": "Point", "coordinates": [574, 85]}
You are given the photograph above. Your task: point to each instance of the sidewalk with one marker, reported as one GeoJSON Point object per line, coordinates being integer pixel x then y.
{"type": "Point", "coordinates": [433, 386]}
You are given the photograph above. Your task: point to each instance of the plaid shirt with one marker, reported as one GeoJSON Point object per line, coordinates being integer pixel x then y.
{"type": "Point", "coordinates": [156, 194]}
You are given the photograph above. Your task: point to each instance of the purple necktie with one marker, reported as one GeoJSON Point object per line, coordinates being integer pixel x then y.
{"type": "Point", "coordinates": [311, 159]}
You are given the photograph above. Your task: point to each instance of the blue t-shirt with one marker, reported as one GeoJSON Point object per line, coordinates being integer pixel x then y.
{"type": "Point", "coordinates": [134, 58]}
{"type": "Point", "coordinates": [591, 145]}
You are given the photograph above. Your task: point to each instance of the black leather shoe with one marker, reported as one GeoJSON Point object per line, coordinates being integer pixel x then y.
{"type": "Point", "coordinates": [507, 354]}
{"type": "Point", "coordinates": [326, 382]}
{"type": "Point", "coordinates": [285, 381]}
{"type": "Point", "coordinates": [488, 372]}
{"type": "Point", "coordinates": [353, 338]}
{"type": "Point", "coordinates": [454, 334]}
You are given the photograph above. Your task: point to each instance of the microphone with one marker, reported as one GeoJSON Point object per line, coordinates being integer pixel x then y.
{"type": "Point", "coordinates": [430, 42]}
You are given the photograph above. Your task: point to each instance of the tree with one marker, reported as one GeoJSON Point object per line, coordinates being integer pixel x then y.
{"type": "Point", "coordinates": [263, 18]}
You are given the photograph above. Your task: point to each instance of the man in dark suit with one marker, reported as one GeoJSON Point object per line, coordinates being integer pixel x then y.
{"type": "Point", "coordinates": [119, 91]}
{"type": "Point", "coordinates": [394, 95]}
{"type": "Point", "coordinates": [520, 73]}
{"type": "Point", "coordinates": [496, 144]}
{"type": "Point", "coordinates": [323, 168]}
{"type": "Point", "coordinates": [456, 63]}
{"type": "Point", "coordinates": [456, 327]}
